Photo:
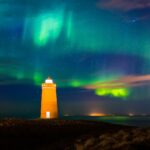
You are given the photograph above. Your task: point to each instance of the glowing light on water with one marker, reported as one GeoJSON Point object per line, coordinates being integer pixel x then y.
{"type": "Point", "coordinates": [131, 114]}
{"type": "Point", "coordinates": [97, 114]}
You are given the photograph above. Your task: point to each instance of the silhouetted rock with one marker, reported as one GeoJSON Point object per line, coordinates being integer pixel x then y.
{"type": "Point", "coordinates": [71, 135]}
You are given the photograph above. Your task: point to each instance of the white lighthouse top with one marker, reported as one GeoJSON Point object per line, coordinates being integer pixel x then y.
{"type": "Point", "coordinates": [48, 80]}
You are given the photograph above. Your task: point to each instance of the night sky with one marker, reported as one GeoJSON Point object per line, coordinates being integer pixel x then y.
{"type": "Point", "coordinates": [96, 51]}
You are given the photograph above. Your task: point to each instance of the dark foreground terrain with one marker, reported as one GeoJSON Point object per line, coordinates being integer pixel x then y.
{"type": "Point", "coordinates": [70, 135]}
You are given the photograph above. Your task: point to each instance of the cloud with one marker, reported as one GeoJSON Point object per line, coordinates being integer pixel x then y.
{"type": "Point", "coordinates": [133, 10]}
{"type": "Point", "coordinates": [127, 81]}
{"type": "Point", "coordinates": [124, 5]}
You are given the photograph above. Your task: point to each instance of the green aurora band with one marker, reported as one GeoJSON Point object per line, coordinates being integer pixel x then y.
{"type": "Point", "coordinates": [52, 33]}
{"type": "Point", "coordinates": [115, 92]}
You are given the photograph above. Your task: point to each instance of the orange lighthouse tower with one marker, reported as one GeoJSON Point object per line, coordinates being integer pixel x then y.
{"type": "Point", "coordinates": [49, 107]}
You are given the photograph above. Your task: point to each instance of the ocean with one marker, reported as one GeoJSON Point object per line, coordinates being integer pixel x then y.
{"type": "Point", "coordinates": [139, 121]}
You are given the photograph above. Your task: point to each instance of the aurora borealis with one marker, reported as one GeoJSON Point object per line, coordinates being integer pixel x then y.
{"type": "Point", "coordinates": [97, 52]}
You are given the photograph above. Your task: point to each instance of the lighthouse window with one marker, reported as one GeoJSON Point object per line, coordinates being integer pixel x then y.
{"type": "Point", "coordinates": [47, 114]}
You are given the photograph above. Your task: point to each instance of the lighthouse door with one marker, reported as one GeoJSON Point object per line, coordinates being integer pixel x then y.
{"type": "Point", "coordinates": [47, 114]}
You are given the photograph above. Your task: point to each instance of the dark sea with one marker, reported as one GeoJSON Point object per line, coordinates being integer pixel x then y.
{"type": "Point", "coordinates": [139, 121]}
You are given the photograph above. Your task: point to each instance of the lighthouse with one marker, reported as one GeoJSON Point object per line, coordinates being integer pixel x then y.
{"type": "Point", "coordinates": [49, 106]}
